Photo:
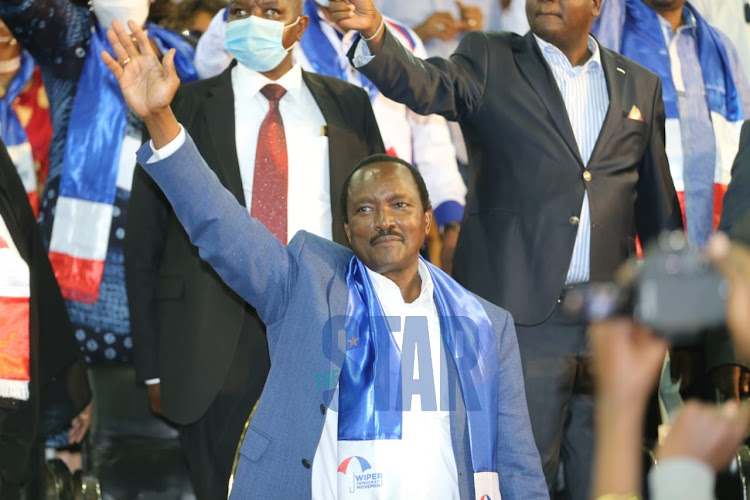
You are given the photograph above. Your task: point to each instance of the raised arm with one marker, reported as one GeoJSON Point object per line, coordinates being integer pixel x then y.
{"type": "Point", "coordinates": [451, 87]}
{"type": "Point", "coordinates": [241, 250]}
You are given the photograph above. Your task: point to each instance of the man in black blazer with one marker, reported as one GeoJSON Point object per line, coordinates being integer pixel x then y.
{"type": "Point", "coordinates": [527, 182]}
{"type": "Point", "coordinates": [201, 348]}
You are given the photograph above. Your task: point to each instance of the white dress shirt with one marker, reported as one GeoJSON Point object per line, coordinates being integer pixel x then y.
{"type": "Point", "coordinates": [309, 194]}
{"type": "Point", "coordinates": [309, 191]}
{"type": "Point", "coordinates": [421, 465]}
{"type": "Point", "coordinates": [584, 91]}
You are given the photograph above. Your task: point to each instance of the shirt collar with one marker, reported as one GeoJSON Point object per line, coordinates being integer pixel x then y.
{"type": "Point", "coordinates": [556, 58]}
{"type": "Point", "coordinates": [388, 291]}
{"type": "Point", "coordinates": [250, 81]}
{"type": "Point", "coordinates": [688, 23]}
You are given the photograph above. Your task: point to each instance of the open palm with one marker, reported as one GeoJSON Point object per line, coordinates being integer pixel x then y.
{"type": "Point", "coordinates": [147, 85]}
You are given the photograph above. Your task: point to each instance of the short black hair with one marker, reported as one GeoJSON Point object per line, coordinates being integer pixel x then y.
{"type": "Point", "coordinates": [383, 158]}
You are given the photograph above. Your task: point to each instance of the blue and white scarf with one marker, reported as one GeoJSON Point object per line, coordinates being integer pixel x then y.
{"type": "Point", "coordinates": [323, 56]}
{"type": "Point", "coordinates": [369, 395]}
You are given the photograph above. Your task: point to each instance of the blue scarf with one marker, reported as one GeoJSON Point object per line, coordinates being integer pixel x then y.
{"type": "Point", "coordinates": [323, 56]}
{"type": "Point", "coordinates": [98, 119]}
{"type": "Point", "coordinates": [642, 41]}
{"type": "Point", "coordinates": [369, 385]}
{"type": "Point", "coordinates": [183, 58]}
{"type": "Point", "coordinates": [96, 128]}
{"type": "Point", "coordinates": [11, 130]}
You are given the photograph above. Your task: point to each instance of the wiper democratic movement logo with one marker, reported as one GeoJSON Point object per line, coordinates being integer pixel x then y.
{"type": "Point", "coordinates": [363, 480]}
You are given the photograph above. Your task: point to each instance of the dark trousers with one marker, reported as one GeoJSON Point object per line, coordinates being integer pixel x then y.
{"type": "Point", "coordinates": [33, 486]}
{"type": "Point", "coordinates": [559, 393]}
{"type": "Point", "coordinates": [210, 443]}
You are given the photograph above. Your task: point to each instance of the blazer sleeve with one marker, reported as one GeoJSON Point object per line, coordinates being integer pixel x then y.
{"type": "Point", "coordinates": [519, 465]}
{"type": "Point", "coordinates": [148, 216]}
{"type": "Point", "coordinates": [249, 259]}
{"type": "Point", "coordinates": [451, 87]}
{"type": "Point", "coordinates": [657, 208]}
{"type": "Point", "coordinates": [148, 213]}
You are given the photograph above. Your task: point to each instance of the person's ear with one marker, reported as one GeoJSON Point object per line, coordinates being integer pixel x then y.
{"type": "Point", "coordinates": [596, 7]}
{"type": "Point", "coordinates": [428, 221]}
{"type": "Point", "coordinates": [348, 232]}
{"type": "Point", "coordinates": [304, 21]}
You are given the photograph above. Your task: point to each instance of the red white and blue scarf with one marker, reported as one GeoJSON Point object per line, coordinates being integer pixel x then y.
{"type": "Point", "coordinates": [98, 159]}
{"type": "Point", "coordinates": [633, 29]}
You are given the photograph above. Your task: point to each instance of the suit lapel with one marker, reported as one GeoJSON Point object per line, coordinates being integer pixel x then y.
{"type": "Point", "coordinates": [529, 59]}
{"type": "Point", "coordinates": [337, 149]}
{"type": "Point", "coordinates": [615, 75]}
{"type": "Point", "coordinates": [219, 112]}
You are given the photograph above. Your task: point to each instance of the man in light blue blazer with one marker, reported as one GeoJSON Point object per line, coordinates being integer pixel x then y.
{"type": "Point", "coordinates": [325, 312]}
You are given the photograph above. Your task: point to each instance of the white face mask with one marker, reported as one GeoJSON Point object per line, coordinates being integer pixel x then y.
{"type": "Point", "coordinates": [257, 42]}
{"type": "Point", "coordinates": [107, 11]}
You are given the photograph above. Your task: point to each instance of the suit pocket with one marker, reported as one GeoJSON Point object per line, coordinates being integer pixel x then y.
{"type": "Point", "coordinates": [170, 288]}
{"type": "Point", "coordinates": [254, 444]}
{"type": "Point", "coordinates": [629, 124]}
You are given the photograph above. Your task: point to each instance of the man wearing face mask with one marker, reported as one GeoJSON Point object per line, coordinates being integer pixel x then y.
{"type": "Point", "coordinates": [91, 160]}
{"type": "Point", "coordinates": [424, 140]}
{"type": "Point", "coordinates": [282, 140]}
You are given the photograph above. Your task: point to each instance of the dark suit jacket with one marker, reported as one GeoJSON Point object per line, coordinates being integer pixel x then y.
{"type": "Point", "coordinates": [185, 321]}
{"type": "Point", "coordinates": [301, 294]}
{"type": "Point", "coordinates": [526, 175]}
{"type": "Point", "coordinates": [735, 221]}
{"type": "Point", "coordinates": [735, 215]}
{"type": "Point", "coordinates": [54, 352]}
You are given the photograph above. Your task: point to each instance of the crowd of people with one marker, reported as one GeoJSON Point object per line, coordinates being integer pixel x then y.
{"type": "Point", "coordinates": [234, 199]}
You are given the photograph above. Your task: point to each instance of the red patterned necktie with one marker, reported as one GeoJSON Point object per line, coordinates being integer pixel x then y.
{"type": "Point", "coordinates": [270, 180]}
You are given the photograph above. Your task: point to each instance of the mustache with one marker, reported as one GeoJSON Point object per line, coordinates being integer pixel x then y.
{"type": "Point", "coordinates": [382, 233]}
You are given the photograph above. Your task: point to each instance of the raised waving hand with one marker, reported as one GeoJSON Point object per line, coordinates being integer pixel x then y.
{"type": "Point", "coordinates": [147, 84]}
